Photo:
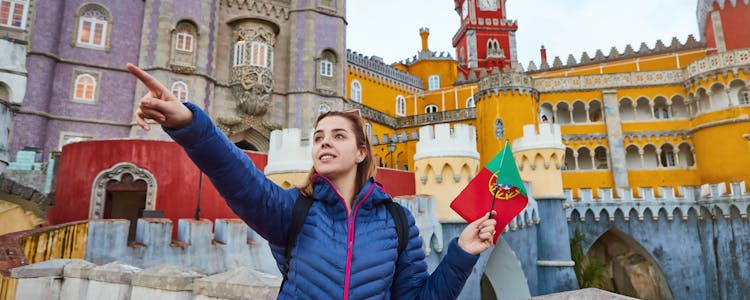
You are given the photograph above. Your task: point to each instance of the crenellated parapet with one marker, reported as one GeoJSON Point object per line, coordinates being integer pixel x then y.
{"type": "Point", "coordinates": [629, 52]}
{"type": "Point", "coordinates": [708, 200]}
{"type": "Point", "coordinates": [422, 207]}
{"type": "Point", "coordinates": [445, 160]}
{"type": "Point", "coordinates": [231, 245]}
{"type": "Point", "coordinates": [500, 83]}
{"type": "Point", "coordinates": [377, 67]}
{"type": "Point", "coordinates": [441, 141]}
{"type": "Point", "coordinates": [287, 153]}
{"type": "Point", "coordinates": [548, 137]}
{"type": "Point", "coordinates": [539, 157]}
{"type": "Point", "coordinates": [707, 67]}
{"type": "Point", "coordinates": [275, 9]}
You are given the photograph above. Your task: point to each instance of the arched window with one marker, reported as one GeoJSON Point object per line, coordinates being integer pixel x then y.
{"type": "Point", "coordinates": [470, 102]}
{"type": "Point", "coordinates": [633, 158]}
{"type": "Point", "coordinates": [93, 26]}
{"type": "Point", "coordinates": [661, 109]}
{"type": "Point", "coordinates": [600, 158]}
{"type": "Point", "coordinates": [239, 53]}
{"type": "Point", "coordinates": [356, 91]}
{"type": "Point", "coordinates": [400, 106]}
{"type": "Point", "coordinates": [368, 131]}
{"type": "Point", "coordinates": [326, 68]}
{"type": "Point", "coordinates": [570, 160]}
{"type": "Point", "coordinates": [180, 91]}
{"type": "Point", "coordinates": [745, 96]}
{"type": "Point", "coordinates": [184, 38]}
{"type": "Point", "coordinates": [85, 88]}
{"type": "Point", "coordinates": [13, 13]}
{"type": "Point", "coordinates": [433, 82]}
{"type": "Point", "coordinates": [584, 159]}
{"type": "Point", "coordinates": [686, 155]}
{"type": "Point", "coordinates": [259, 54]}
{"type": "Point", "coordinates": [431, 108]}
{"type": "Point", "coordinates": [667, 158]}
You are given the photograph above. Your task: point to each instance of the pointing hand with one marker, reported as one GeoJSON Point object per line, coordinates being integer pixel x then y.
{"type": "Point", "coordinates": [159, 104]}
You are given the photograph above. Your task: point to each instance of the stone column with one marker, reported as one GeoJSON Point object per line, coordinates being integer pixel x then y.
{"type": "Point", "coordinates": [554, 264]}
{"type": "Point", "coordinates": [615, 138]}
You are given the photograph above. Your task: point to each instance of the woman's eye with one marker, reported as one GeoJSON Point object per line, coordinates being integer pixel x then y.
{"type": "Point", "coordinates": [339, 136]}
{"type": "Point", "coordinates": [318, 138]}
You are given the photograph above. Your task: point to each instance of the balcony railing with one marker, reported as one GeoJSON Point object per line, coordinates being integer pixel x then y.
{"type": "Point", "coordinates": [415, 120]}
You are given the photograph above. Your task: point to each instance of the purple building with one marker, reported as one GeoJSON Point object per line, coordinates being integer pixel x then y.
{"type": "Point", "coordinates": [254, 66]}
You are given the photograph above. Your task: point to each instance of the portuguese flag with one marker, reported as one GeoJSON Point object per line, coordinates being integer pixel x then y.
{"type": "Point", "coordinates": [499, 187]}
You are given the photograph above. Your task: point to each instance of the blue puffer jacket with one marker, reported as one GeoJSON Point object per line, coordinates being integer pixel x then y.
{"type": "Point", "coordinates": [339, 254]}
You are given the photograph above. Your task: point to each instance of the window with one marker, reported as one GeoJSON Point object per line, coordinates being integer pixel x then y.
{"type": "Point", "coordinates": [429, 109]}
{"type": "Point", "coordinates": [93, 24]}
{"type": "Point", "coordinates": [239, 53]}
{"type": "Point", "coordinates": [356, 92]}
{"type": "Point", "coordinates": [184, 41]}
{"type": "Point", "coordinates": [368, 130]}
{"type": "Point", "coordinates": [745, 97]}
{"type": "Point", "coordinates": [667, 156]}
{"type": "Point", "coordinates": [85, 88]}
{"type": "Point", "coordinates": [400, 106]}
{"type": "Point", "coordinates": [661, 113]}
{"type": "Point", "coordinates": [326, 68]}
{"type": "Point", "coordinates": [433, 82]}
{"type": "Point", "coordinates": [180, 90]}
{"type": "Point", "coordinates": [470, 102]}
{"type": "Point", "coordinates": [259, 56]}
{"type": "Point", "coordinates": [13, 13]}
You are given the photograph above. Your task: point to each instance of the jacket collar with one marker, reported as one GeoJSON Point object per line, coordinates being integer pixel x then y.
{"type": "Point", "coordinates": [372, 192]}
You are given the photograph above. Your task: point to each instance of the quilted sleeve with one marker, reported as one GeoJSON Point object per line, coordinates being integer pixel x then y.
{"type": "Point", "coordinates": [263, 205]}
{"type": "Point", "coordinates": [412, 281]}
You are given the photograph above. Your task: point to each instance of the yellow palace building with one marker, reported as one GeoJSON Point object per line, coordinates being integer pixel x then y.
{"type": "Point", "coordinates": [662, 116]}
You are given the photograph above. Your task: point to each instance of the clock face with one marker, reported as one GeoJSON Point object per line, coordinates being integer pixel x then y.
{"type": "Point", "coordinates": [487, 4]}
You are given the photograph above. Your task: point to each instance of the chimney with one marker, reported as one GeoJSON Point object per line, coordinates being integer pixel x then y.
{"type": "Point", "coordinates": [424, 32]}
{"type": "Point", "coordinates": [543, 52]}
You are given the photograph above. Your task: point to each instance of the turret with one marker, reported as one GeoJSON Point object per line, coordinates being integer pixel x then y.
{"type": "Point", "coordinates": [539, 157]}
{"type": "Point", "coordinates": [289, 159]}
{"type": "Point", "coordinates": [445, 161]}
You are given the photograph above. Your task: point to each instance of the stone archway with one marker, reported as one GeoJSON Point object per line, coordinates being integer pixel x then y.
{"type": "Point", "coordinates": [252, 140]}
{"type": "Point", "coordinates": [628, 267]}
{"type": "Point", "coordinates": [116, 173]}
{"type": "Point", "coordinates": [503, 277]}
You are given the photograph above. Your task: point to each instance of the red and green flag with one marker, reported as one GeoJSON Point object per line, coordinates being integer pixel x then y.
{"type": "Point", "coordinates": [498, 187]}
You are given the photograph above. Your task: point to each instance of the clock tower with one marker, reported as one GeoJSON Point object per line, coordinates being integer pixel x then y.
{"type": "Point", "coordinates": [486, 39]}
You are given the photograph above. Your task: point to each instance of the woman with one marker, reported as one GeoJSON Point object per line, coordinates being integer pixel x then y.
{"type": "Point", "coordinates": [347, 247]}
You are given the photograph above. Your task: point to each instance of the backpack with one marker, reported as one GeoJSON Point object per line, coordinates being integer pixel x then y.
{"type": "Point", "coordinates": [302, 208]}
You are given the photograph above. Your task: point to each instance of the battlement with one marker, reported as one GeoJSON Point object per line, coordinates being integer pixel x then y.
{"type": "Point", "coordinates": [549, 136]}
{"type": "Point", "coordinates": [439, 141]}
{"type": "Point", "coordinates": [378, 66]}
{"type": "Point", "coordinates": [706, 200]}
{"type": "Point", "coordinates": [231, 245]}
{"type": "Point", "coordinates": [287, 153]}
{"type": "Point", "coordinates": [422, 207]}
{"type": "Point", "coordinates": [615, 55]}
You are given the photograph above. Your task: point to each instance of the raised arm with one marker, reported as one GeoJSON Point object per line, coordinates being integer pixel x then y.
{"type": "Point", "coordinates": [262, 204]}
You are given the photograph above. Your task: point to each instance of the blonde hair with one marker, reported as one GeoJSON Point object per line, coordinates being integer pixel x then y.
{"type": "Point", "coordinates": [365, 168]}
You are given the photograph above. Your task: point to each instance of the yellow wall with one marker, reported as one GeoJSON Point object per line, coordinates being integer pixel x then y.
{"type": "Point", "coordinates": [426, 68]}
{"type": "Point", "coordinates": [545, 176]}
{"type": "Point", "coordinates": [376, 94]}
{"type": "Point", "coordinates": [721, 152]}
{"type": "Point", "coordinates": [14, 218]}
{"type": "Point", "coordinates": [445, 191]}
{"type": "Point", "coordinates": [515, 110]}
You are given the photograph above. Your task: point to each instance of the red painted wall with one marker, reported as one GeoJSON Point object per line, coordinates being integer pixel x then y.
{"type": "Point", "coordinates": [734, 22]}
{"type": "Point", "coordinates": [175, 174]}
{"type": "Point", "coordinates": [396, 182]}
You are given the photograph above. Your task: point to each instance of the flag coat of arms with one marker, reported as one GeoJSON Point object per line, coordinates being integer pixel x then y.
{"type": "Point", "coordinates": [499, 187]}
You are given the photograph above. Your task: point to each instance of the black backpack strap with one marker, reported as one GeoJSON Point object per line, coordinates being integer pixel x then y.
{"type": "Point", "coordinates": [402, 229]}
{"type": "Point", "coordinates": [299, 214]}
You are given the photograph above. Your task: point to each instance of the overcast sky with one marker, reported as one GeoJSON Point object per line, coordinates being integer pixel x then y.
{"type": "Point", "coordinates": [390, 28]}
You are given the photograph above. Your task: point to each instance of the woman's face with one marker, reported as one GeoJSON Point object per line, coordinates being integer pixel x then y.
{"type": "Point", "coordinates": [335, 152]}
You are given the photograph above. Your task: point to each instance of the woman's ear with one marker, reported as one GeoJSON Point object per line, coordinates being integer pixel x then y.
{"type": "Point", "coordinates": [361, 154]}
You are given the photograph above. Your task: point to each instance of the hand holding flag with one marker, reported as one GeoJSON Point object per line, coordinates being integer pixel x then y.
{"type": "Point", "coordinates": [497, 187]}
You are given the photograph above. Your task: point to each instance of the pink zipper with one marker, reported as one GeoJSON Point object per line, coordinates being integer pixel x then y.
{"type": "Point", "coordinates": [350, 228]}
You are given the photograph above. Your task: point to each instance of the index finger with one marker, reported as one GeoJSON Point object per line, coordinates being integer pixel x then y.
{"type": "Point", "coordinates": [153, 85]}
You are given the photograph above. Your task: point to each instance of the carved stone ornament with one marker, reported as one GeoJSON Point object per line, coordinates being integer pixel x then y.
{"type": "Point", "coordinates": [499, 129]}
{"type": "Point", "coordinates": [99, 188]}
{"type": "Point", "coordinates": [252, 80]}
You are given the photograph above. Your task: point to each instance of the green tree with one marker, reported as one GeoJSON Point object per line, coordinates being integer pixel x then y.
{"type": "Point", "coordinates": [590, 273]}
